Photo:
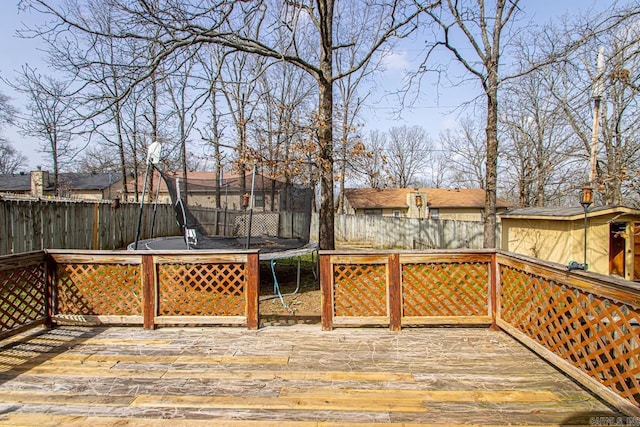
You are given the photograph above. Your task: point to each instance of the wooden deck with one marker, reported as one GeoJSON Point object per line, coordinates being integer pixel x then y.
{"type": "Point", "coordinates": [283, 375]}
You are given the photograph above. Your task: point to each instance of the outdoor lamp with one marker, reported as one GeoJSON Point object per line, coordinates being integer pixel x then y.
{"type": "Point", "coordinates": [419, 204]}
{"type": "Point", "coordinates": [586, 197]}
{"type": "Point", "coordinates": [418, 201]}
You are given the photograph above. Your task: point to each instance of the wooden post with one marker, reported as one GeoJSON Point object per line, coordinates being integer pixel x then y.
{"type": "Point", "coordinates": [395, 293]}
{"type": "Point", "coordinates": [252, 291]}
{"type": "Point", "coordinates": [49, 285]}
{"type": "Point", "coordinates": [493, 291]}
{"type": "Point", "coordinates": [96, 226]}
{"type": "Point", "coordinates": [148, 292]}
{"type": "Point", "coordinates": [326, 286]}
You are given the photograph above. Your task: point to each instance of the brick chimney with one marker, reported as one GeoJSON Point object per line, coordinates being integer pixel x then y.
{"type": "Point", "coordinates": [39, 182]}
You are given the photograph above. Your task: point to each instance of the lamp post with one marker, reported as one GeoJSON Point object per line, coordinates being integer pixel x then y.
{"type": "Point", "coordinates": [586, 199]}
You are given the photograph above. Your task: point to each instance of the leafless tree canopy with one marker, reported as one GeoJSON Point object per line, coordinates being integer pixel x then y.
{"type": "Point", "coordinates": [283, 84]}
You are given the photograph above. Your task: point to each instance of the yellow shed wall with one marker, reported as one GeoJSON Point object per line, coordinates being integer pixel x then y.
{"type": "Point", "coordinates": [562, 241]}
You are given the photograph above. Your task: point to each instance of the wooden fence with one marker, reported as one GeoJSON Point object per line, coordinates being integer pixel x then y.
{"type": "Point", "coordinates": [31, 225]}
{"type": "Point", "coordinates": [382, 232]}
{"type": "Point", "coordinates": [28, 225]}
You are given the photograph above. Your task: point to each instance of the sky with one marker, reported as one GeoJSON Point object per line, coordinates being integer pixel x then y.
{"type": "Point", "coordinates": [434, 110]}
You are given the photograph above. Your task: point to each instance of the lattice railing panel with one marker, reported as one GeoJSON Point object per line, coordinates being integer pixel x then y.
{"type": "Point", "coordinates": [99, 289]}
{"type": "Point", "coordinates": [445, 289]}
{"type": "Point", "coordinates": [598, 335]}
{"type": "Point", "coordinates": [22, 297]}
{"type": "Point", "coordinates": [360, 290]}
{"type": "Point", "coordinates": [201, 289]}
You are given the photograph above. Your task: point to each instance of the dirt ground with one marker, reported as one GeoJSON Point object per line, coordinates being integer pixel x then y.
{"type": "Point", "coordinates": [303, 303]}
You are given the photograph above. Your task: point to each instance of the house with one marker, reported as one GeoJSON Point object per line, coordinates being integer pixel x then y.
{"type": "Point", "coordinates": [558, 235]}
{"type": "Point", "coordinates": [84, 186]}
{"type": "Point", "coordinates": [435, 203]}
{"type": "Point", "coordinates": [204, 190]}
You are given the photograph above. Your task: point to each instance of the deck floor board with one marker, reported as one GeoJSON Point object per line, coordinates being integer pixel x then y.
{"type": "Point", "coordinates": [287, 375]}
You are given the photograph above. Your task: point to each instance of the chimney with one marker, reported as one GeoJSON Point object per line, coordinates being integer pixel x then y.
{"type": "Point", "coordinates": [39, 182]}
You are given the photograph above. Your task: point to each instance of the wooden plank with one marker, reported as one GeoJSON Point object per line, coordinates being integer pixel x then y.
{"type": "Point", "coordinates": [9, 262]}
{"type": "Point", "coordinates": [201, 320]}
{"type": "Point", "coordinates": [280, 403]}
{"type": "Point", "coordinates": [444, 257]}
{"type": "Point", "coordinates": [55, 420]}
{"type": "Point", "coordinates": [447, 320]}
{"type": "Point", "coordinates": [96, 257]}
{"type": "Point", "coordinates": [423, 395]}
{"type": "Point", "coordinates": [355, 258]}
{"type": "Point", "coordinates": [87, 371]}
{"type": "Point", "coordinates": [16, 396]}
{"type": "Point", "coordinates": [252, 375]}
{"type": "Point", "coordinates": [360, 321]}
{"type": "Point", "coordinates": [97, 319]}
{"type": "Point", "coordinates": [201, 257]}
{"type": "Point", "coordinates": [71, 360]}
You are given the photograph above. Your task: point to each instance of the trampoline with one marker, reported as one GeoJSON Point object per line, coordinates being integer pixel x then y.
{"type": "Point", "coordinates": [276, 235]}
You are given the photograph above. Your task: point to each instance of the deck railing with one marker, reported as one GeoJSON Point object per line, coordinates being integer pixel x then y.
{"type": "Point", "coordinates": [123, 287]}
{"type": "Point", "coordinates": [24, 296]}
{"type": "Point", "coordinates": [406, 288]}
{"type": "Point", "coordinates": [588, 325]}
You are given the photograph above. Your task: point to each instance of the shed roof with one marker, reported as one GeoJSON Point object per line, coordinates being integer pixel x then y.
{"type": "Point", "coordinates": [566, 213]}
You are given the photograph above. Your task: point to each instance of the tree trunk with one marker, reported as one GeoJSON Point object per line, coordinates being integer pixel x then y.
{"type": "Point", "coordinates": [492, 158]}
{"type": "Point", "coordinates": [325, 126]}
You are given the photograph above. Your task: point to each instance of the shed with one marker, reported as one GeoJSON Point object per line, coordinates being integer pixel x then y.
{"type": "Point", "coordinates": [557, 235]}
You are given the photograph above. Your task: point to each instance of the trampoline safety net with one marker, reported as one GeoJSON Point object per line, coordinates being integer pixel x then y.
{"type": "Point", "coordinates": [217, 214]}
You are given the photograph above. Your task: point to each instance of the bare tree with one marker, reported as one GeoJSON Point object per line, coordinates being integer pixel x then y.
{"type": "Point", "coordinates": [286, 100]}
{"type": "Point", "coordinates": [473, 31]}
{"type": "Point", "coordinates": [178, 25]}
{"type": "Point", "coordinates": [99, 159]}
{"type": "Point", "coordinates": [618, 151]}
{"type": "Point", "coordinates": [185, 102]}
{"type": "Point", "coordinates": [538, 153]}
{"type": "Point", "coordinates": [409, 150]}
{"type": "Point", "coordinates": [240, 89]}
{"type": "Point", "coordinates": [211, 61]}
{"type": "Point", "coordinates": [50, 117]}
{"type": "Point", "coordinates": [373, 161]}
{"type": "Point", "coordinates": [465, 151]}
{"type": "Point", "coordinates": [11, 160]}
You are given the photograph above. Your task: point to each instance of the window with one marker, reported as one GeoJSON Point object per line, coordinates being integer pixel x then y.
{"type": "Point", "coordinates": [259, 200]}
{"type": "Point", "coordinates": [434, 213]}
{"type": "Point", "coordinates": [396, 214]}
{"type": "Point", "coordinates": [373, 211]}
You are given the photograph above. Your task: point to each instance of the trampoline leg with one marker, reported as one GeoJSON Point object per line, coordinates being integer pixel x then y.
{"type": "Point", "coordinates": [276, 285]}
